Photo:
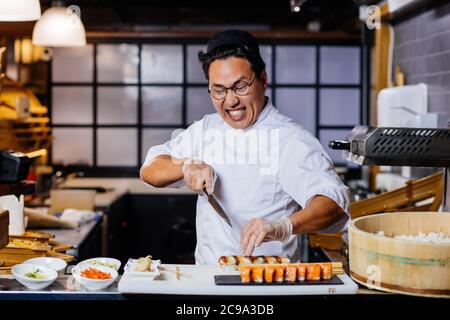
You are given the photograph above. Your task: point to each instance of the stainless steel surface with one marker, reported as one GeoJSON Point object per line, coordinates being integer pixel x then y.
{"type": "Point", "coordinates": [63, 284]}
{"type": "Point", "coordinates": [212, 200]}
{"type": "Point", "coordinates": [74, 237]}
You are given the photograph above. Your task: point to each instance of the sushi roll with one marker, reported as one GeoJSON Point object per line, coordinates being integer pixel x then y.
{"type": "Point", "coordinates": [269, 271]}
{"type": "Point", "coordinates": [283, 260]}
{"type": "Point", "coordinates": [243, 260]}
{"type": "Point", "coordinates": [312, 272]}
{"type": "Point", "coordinates": [326, 270]}
{"type": "Point", "coordinates": [227, 261]}
{"type": "Point", "coordinates": [258, 260]}
{"type": "Point", "coordinates": [270, 260]}
{"type": "Point", "coordinates": [291, 273]}
{"type": "Point", "coordinates": [257, 274]}
{"type": "Point", "coordinates": [301, 271]}
{"type": "Point", "coordinates": [245, 272]}
{"type": "Point", "coordinates": [279, 273]}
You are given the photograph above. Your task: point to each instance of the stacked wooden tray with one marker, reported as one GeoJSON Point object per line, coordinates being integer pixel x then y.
{"type": "Point", "coordinates": [30, 245]}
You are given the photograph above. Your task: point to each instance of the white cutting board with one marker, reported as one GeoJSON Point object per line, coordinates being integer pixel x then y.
{"type": "Point", "coordinates": [201, 282]}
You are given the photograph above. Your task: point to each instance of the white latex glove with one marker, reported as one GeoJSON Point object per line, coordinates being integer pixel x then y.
{"type": "Point", "coordinates": [259, 230]}
{"type": "Point", "coordinates": [198, 175]}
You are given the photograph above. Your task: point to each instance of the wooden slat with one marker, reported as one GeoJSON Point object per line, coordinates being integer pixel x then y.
{"type": "Point", "coordinates": [59, 246]}
{"type": "Point", "coordinates": [291, 34]}
{"type": "Point", "coordinates": [36, 235]}
{"type": "Point", "coordinates": [32, 130]}
{"type": "Point", "coordinates": [65, 257]}
{"type": "Point", "coordinates": [37, 120]}
{"type": "Point", "coordinates": [4, 228]}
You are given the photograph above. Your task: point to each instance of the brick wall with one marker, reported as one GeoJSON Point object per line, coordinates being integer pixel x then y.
{"type": "Point", "coordinates": [422, 49]}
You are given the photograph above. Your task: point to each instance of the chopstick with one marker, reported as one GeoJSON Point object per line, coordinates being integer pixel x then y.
{"type": "Point", "coordinates": [177, 272]}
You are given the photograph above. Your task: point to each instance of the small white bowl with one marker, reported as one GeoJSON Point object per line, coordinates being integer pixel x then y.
{"type": "Point", "coordinates": [103, 261]}
{"type": "Point", "coordinates": [20, 270]}
{"type": "Point", "coordinates": [94, 284]}
{"type": "Point", "coordinates": [59, 265]}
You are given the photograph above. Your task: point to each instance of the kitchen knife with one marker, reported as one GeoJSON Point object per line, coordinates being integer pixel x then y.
{"type": "Point", "coordinates": [213, 202]}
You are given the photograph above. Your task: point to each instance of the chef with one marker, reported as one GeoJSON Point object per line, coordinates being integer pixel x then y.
{"type": "Point", "coordinates": [271, 176]}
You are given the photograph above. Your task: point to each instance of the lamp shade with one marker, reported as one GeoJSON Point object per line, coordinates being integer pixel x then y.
{"type": "Point", "coordinates": [59, 27]}
{"type": "Point", "coordinates": [19, 10]}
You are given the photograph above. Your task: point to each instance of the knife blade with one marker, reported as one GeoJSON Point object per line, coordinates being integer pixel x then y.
{"type": "Point", "coordinates": [213, 202]}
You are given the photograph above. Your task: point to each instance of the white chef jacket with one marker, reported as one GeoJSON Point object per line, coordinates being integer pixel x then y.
{"type": "Point", "coordinates": [290, 169]}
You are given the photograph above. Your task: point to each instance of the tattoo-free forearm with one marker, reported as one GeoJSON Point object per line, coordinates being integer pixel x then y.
{"type": "Point", "coordinates": [320, 213]}
{"type": "Point", "coordinates": [162, 171]}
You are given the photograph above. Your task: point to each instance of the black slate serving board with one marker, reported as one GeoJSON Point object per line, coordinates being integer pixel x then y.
{"type": "Point", "coordinates": [235, 280]}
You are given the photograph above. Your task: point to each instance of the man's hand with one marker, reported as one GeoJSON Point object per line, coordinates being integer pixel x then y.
{"type": "Point", "coordinates": [197, 176]}
{"type": "Point", "coordinates": [259, 230]}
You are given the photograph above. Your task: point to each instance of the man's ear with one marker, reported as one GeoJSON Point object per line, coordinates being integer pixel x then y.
{"type": "Point", "coordinates": [264, 79]}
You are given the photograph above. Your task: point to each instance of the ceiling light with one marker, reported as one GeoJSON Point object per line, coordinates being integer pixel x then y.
{"type": "Point", "coordinates": [60, 27]}
{"type": "Point", "coordinates": [20, 10]}
{"type": "Point", "coordinates": [296, 5]}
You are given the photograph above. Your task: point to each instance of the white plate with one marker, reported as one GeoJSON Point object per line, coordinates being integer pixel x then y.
{"type": "Point", "coordinates": [130, 265]}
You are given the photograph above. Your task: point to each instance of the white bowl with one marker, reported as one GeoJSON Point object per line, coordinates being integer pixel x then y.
{"type": "Point", "coordinates": [94, 284]}
{"type": "Point", "coordinates": [59, 265]}
{"type": "Point", "coordinates": [103, 261]}
{"type": "Point", "coordinates": [19, 271]}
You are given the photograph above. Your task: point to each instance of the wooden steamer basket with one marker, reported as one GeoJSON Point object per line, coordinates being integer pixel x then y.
{"type": "Point", "coordinates": [401, 266]}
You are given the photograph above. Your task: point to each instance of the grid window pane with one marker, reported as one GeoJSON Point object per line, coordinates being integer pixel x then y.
{"type": "Point", "coordinates": [72, 105]}
{"type": "Point", "coordinates": [339, 65]}
{"type": "Point", "coordinates": [117, 147]}
{"type": "Point", "coordinates": [154, 137]}
{"type": "Point", "coordinates": [117, 63]}
{"type": "Point", "coordinates": [194, 68]}
{"type": "Point", "coordinates": [298, 104]}
{"type": "Point", "coordinates": [266, 55]}
{"type": "Point", "coordinates": [73, 64]}
{"type": "Point", "coordinates": [339, 107]}
{"type": "Point", "coordinates": [162, 63]}
{"type": "Point", "coordinates": [117, 105]}
{"type": "Point", "coordinates": [162, 105]}
{"type": "Point", "coordinates": [72, 146]}
{"type": "Point", "coordinates": [325, 135]}
{"type": "Point", "coordinates": [198, 104]}
{"type": "Point", "coordinates": [296, 64]}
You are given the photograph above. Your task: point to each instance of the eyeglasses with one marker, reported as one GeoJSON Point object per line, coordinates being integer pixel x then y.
{"type": "Point", "coordinates": [241, 88]}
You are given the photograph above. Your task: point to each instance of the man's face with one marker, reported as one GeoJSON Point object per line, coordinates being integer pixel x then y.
{"type": "Point", "coordinates": [238, 111]}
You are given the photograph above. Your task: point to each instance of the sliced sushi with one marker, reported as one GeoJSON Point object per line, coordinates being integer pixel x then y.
{"type": "Point", "coordinates": [245, 272]}
{"type": "Point", "coordinates": [290, 274]}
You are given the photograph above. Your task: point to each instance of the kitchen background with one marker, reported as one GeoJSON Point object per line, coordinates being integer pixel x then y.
{"type": "Point", "coordinates": [138, 79]}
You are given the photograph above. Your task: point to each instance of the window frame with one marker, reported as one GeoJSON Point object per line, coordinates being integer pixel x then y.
{"type": "Point", "coordinates": [133, 171]}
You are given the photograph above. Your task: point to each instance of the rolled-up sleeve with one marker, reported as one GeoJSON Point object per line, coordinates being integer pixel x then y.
{"type": "Point", "coordinates": [306, 171]}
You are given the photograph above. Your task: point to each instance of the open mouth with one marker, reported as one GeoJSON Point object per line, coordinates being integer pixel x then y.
{"type": "Point", "coordinates": [237, 114]}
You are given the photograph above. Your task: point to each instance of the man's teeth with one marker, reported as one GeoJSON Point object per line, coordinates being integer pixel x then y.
{"type": "Point", "coordinates": [236, 113]}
